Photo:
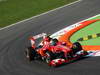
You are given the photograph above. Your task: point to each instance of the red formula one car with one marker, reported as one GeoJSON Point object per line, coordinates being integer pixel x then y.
{"type": "Point", "coordinates": [53, 51]}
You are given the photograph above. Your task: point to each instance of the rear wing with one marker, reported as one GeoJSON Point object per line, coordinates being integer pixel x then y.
{"type": "Point", "coordinates": [33, 38]}
{"type": "Point", "coordinates": [39, 35]}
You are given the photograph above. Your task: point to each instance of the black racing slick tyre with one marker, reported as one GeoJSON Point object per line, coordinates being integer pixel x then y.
{"type": "Point", "coordinates": [49, 56]}
{"type": "Point", "coordinates": [76, 47]}
{"type": "Point", "coordinates": [30, 53]}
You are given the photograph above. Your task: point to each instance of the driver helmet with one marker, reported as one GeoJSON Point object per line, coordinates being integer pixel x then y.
{"type": "Point", "coordinates": [54, 42]}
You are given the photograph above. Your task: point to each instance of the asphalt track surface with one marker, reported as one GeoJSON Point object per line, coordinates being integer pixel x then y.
{"type": "Point", "coordinates": [14, 40]}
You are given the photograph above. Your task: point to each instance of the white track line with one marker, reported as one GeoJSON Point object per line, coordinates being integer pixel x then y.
{"type": "Point", "coordinates": [41, 14]}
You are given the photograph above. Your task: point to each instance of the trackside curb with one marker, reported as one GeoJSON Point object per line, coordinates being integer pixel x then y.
{"type": "Point", "coordinates": [67, 35]}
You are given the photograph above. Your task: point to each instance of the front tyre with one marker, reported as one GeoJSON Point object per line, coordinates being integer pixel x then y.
{"type": "Point", "coordinates": [76, 47]}
{"type": "Point", "coordinates": [49, 56]}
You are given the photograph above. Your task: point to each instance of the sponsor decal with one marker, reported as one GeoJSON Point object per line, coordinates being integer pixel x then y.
{"type": "Point", "coordinates": [94, 53]}
{"type": "Point", "coordinates": [65, 30]}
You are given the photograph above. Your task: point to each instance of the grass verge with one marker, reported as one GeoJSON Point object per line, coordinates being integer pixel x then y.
{"type": "Point", "coordinates": [12, 11]}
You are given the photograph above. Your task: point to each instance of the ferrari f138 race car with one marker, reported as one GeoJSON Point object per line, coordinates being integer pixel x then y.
{"type": "Point", "coordinates": [52, 51]}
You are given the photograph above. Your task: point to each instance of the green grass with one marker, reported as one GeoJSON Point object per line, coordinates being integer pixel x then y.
{"type": "Point", "coordinates": [12, 11]}
{"type": "Point", "coordinates": [89, 30]}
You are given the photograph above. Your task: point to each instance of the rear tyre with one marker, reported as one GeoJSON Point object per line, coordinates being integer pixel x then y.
{"type": "Point", "coordinates": [30, 53]}
{"type": "Point", "coordinates": [76, 47]}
